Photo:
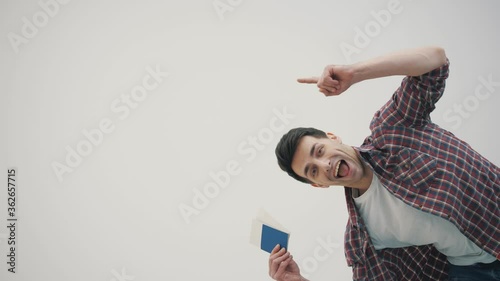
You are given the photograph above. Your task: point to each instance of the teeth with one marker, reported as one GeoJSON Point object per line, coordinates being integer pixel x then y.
{"type": "Point", "coordinates": [337, 169]}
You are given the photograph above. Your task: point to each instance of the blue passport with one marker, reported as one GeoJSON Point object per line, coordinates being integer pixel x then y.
{"type": "Point", "coordinates": [266, 232]}
{"type": "Point", "coordinates": [271, 237]}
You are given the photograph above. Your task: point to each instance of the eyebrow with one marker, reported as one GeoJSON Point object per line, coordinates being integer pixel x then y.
{"type": "Point", "coordinates": [306, 169]}
{"type": "Point", "coordinates": [312, 150]}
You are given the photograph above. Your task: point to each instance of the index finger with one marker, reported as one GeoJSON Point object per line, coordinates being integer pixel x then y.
{"type": "Point", "coordinates": [276, 249]}
{"type": "Point", "coordinates": [277, 252]}
{"type": "Point", "coordinates": [310, 80]}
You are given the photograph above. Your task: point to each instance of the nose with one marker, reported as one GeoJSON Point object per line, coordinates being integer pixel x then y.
{"type": "Point", "coordinates": [324, 164]}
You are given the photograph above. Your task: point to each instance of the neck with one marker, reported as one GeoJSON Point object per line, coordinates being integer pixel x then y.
{"type": "Point", "coordinates": [364, 183]}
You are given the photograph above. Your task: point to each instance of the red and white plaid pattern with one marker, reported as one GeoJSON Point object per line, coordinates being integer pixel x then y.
{"type": "Point", "coordinates": [430, 169]}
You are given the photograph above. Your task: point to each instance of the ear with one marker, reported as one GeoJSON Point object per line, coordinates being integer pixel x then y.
{"type": "Point", "coordinates": [334, 137]}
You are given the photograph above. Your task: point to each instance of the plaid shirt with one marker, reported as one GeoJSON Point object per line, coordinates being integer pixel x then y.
{"type": "Point", "coordinates": [429, 169]}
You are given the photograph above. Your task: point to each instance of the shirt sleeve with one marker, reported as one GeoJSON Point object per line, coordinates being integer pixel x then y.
{"type": "Point", "coordinates": [416, 98]}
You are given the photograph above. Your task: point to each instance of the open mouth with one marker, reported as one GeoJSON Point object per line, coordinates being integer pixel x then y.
{"type": "Point", "coordinates": [341, 169]}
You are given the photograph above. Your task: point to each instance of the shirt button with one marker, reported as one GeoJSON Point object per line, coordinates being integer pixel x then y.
{"type": "Point", "coordinates": [407, 166]}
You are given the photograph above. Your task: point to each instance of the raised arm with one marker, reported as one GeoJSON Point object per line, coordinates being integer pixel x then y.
{"type": "Point", "coordinates": [414, 62]}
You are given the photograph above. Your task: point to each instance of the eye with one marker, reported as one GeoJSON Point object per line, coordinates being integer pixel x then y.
{"type": "Point", "coordinates": [313, 172]}
{"type": "Point", "coordinates": [320, 151]}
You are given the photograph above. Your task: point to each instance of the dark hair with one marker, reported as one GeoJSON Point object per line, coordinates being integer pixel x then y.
{"type": "Point", "coordinates": [285, 150]}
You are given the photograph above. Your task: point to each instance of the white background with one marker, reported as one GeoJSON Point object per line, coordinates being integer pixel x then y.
{"type": "Point", "coordinates": [117, 212]}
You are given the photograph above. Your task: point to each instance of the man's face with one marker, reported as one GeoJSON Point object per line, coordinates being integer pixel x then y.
{"type": "Point", "coordinates": [326, 161]}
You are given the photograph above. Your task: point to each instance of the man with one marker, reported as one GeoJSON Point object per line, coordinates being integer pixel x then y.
{"type": "Point", "coordinates": [423, 205]}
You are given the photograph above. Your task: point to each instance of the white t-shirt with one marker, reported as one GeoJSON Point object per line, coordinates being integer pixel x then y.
{"type": "Point", "coordinates": [393, 224]}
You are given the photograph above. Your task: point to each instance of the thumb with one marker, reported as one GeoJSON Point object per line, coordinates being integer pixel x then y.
{"type": "Point", "coordinates": [310, 80]}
